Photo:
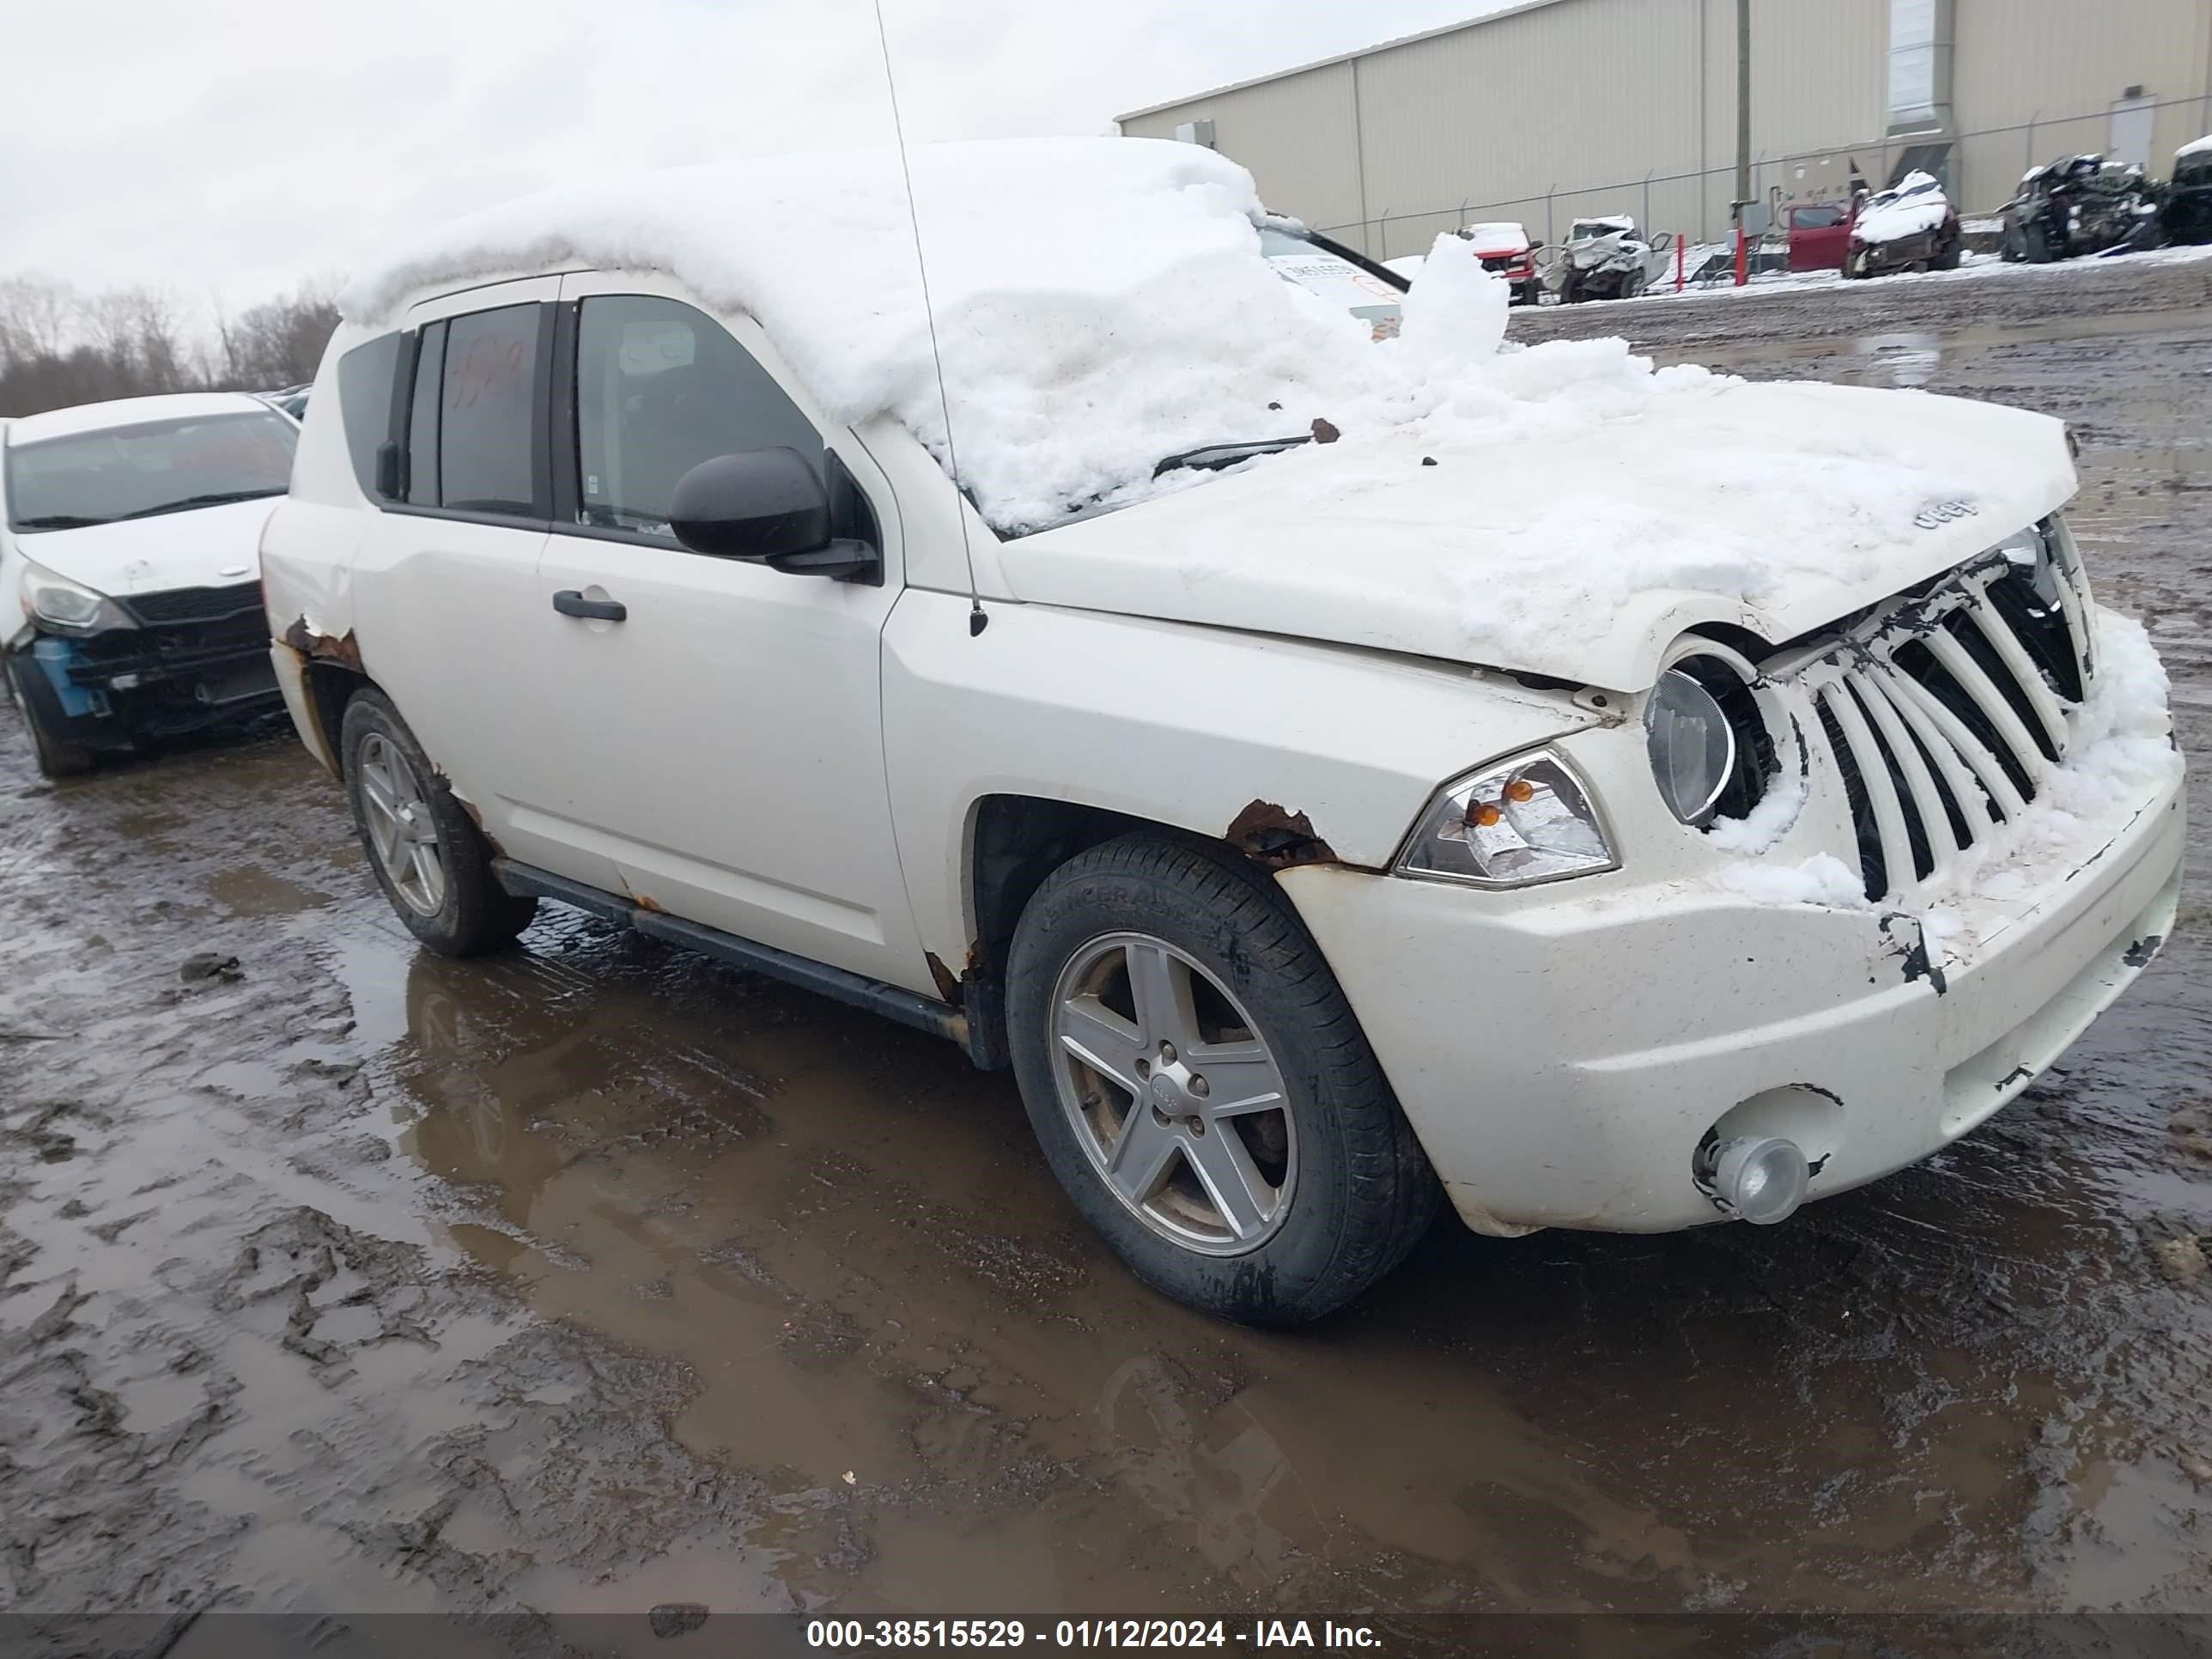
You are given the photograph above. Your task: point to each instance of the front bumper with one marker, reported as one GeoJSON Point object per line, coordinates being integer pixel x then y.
{"type": "Point", "coordinates": [1561, 1061]}
{"type": "Point", "coordinates": [157, 680]}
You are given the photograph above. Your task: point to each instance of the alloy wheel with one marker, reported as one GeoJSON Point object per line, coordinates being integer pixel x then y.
{"type": "Point", "coordinates": [401, 830]}
{"type": "Point", "coordinates": [1174, 1095]}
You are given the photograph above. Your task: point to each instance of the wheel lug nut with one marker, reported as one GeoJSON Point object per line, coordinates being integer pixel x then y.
{"type": "Point", "coordinates": [1197, 1126]}
{"type": "Point", "coordinates": [1144, 1067]}
{"type": "Point", "coordinates": [1167, 1054]}
{"type": "Point", "coordinates": [1198, 1087]}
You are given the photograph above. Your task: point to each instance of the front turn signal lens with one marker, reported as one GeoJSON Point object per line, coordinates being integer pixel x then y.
{"type": "Point", "coordinates": [1524, 821]}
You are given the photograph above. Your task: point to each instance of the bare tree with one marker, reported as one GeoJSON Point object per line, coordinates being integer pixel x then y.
{"type": "Point", "coordinates": [59, 347]}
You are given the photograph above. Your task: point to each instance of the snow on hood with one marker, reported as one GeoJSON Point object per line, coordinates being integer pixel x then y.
{"type": "Point", "coordinates": [1915, 204]}
{"type": "Point", "coordinates": [2195, 147]}
{"type": "Point", "coordinates": [204, 547]}
{"type": "Point", "coordinates": [1581, 512]}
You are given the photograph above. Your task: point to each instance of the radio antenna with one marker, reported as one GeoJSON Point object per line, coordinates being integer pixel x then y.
{"type": "Point", "coordinates": [977, 620]}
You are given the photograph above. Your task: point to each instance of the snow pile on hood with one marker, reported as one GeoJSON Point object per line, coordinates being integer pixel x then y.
{"type": "Point", "coordinates": [2120, 753]}
{"type": "Point", "coordinates": [1916, 203]}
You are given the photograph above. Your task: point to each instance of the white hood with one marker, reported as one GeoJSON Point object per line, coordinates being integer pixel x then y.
{"type": "Point", "coordinates": [1583, 548]}
{"type": "Point", "coordinates": [205, 547]}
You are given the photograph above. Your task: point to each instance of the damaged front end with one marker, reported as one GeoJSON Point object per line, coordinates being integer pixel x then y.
{"type": "Point", "coordinates": [146, 666]}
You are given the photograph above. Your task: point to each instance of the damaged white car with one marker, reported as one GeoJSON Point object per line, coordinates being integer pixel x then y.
{"type": "Point", "coordinates": [1339, 778]}
{"type": "Point", "coordinates": [129, 597]}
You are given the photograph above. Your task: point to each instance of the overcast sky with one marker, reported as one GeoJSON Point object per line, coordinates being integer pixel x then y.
{"type": "Point", "coordinates": [231, 147]}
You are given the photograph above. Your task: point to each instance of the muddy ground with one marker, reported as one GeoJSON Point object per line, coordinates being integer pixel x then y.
{"type": "Point", "coordinates": [598, 1276]}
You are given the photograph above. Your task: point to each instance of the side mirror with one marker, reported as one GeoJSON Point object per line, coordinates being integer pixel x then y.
{"type": "Point", "coordinates": [767, 505]}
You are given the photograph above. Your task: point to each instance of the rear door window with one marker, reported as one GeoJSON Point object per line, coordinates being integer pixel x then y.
{"type": "Point", "coordinates": [475, 431]}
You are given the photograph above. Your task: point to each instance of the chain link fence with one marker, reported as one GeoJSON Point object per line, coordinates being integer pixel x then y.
{"type": "Point", "coordinates": [1980, 169]}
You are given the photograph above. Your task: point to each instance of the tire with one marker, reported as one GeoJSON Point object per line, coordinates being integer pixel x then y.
{"type": "Point", "coordinates": [409, 822]}
{"type": "Point", "coordinates": [2035, 244]}
{"type": "Point", "coordinates": [1532, 293]}
{"type": "Point", "coordinates": [58, 754]}
{"type": "Point", "coordinates": [1950, 257]}
{"type": "Point", "coordinates": [1339, 1188]}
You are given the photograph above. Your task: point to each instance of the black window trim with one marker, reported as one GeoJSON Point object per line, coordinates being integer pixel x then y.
{"type": "Point", "coordinates": [542, 450]}
{"type": "Point", "coordinates": [561, 437]}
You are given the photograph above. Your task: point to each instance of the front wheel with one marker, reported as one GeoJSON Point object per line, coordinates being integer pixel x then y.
{"type": "Point", "coordinates": [427, 853]}
{"type": "Point", "coordinates": [1202, 1088]}
{"type": "Point", "coordinates": [59, 754]}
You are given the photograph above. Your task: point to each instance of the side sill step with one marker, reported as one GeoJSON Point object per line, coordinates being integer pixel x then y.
{"type": "Point", "coordinates": [938, 1019]}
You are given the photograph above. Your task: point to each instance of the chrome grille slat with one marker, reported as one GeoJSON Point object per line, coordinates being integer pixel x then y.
{"type": "Point", "coordinates": [1873, 777]}
{"type": "Point", "coordinates": [2014, 657]}
{"type": "Point", "coordinates": [1943, 844]}
{"type": "Point", "coordinates": [1995, 707]}
{"type": "Point", "coordinates": [1941, 717]}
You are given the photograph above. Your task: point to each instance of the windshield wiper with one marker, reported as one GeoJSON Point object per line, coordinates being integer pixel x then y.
{"type": "Point", "coordinates": [218, 498]}
{"type": "Point", "coordinates": [59, 522]}
{"type": "Point", "coordinates": [1212, 458]}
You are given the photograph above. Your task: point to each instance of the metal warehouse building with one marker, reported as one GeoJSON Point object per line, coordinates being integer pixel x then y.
{"type": "Point", "coordinates": [1556, 109]}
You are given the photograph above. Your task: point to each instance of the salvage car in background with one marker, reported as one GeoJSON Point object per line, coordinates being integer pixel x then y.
{"type": "Point", "coordinates": [129, 591]}
{"type": "Point", "coordinates": [2082, 205]}
{"type": "Point", "coordinates": [1364, 826]}
{"type": "Point", "coordinates": [2185, 213]}
{"type": "Point", "coordinates": [1819, 235]}
{"type": "Point", "coordinates": [1912, 225]}
{"type": "Point", "coordinates": [1506, 251]}
{"type": "Point", "coordinates": [1606, 258]}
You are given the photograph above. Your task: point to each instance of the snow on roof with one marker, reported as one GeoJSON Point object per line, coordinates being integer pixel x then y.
{"type": "Point", "coordinates": [2195, 147]}
{"type": "Point", "coordinates": [1497, 236]}
{"type": "Point", "coordinates": [130, 412]}
{"type": "Point", "coordinates": [1099, 302]}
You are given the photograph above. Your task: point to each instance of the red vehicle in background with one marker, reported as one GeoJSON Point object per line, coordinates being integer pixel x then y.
{"type": "Point", "coordinates": [1504, 247]}
{"type": "Point", "coordinates": [1819, 235]}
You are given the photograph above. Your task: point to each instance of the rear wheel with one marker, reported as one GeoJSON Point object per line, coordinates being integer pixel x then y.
{"type": "Point", "coordinates": [427, 853]}
{"type": "Point", "coordinates": [59, 754]}
{"type": "Point", "coordinates": [2035, 244]}
{"type": "Point", "coordinates": [1201, 1089]}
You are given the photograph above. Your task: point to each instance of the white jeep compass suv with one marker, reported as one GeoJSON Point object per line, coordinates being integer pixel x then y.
{"type": "Point", "coordinates": [1340, 776]}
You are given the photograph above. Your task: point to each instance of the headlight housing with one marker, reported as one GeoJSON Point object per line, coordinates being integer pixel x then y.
{"type": "Point", "coordinates": [1692, 746]}
{"type": "Point", "coordinates": [1523, 820]}
{"type": "Point", "coordinates": [59, 606]}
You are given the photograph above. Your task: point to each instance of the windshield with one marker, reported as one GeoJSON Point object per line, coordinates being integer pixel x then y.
{"type": "Point", "coordinates": [1586, 229]}
{"type": "Point", "coordinates": [1335, 278]}
{"type": "Point", "coordinates": [136, 471]}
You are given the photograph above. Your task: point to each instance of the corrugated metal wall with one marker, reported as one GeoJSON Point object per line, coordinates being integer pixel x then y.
{"type": "Point", "coordinates": [1576, 107]}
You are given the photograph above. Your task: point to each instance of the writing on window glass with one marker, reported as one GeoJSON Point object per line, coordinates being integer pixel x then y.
{"type": "Point", "coordinates": [487, 369]}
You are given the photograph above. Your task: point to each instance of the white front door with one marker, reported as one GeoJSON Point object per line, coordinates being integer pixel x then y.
{"type": "Point", "coordinates": [721, 743]}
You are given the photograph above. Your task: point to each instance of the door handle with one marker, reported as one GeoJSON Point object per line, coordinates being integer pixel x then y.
{"type": "Point", "coordinates": [570, 603]}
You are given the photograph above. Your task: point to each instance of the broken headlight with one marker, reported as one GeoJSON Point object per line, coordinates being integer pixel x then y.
{"type": "Point", "coordinates": [59, 606]}
{"type": "Point", "coordinates": [1523, 820]}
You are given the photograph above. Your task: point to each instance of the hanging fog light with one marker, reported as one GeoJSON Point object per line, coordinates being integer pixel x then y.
{"type": "Point", "coordinates": [1692, 746]}
{"type": "Point", "coordinates": [1761, 1178]}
